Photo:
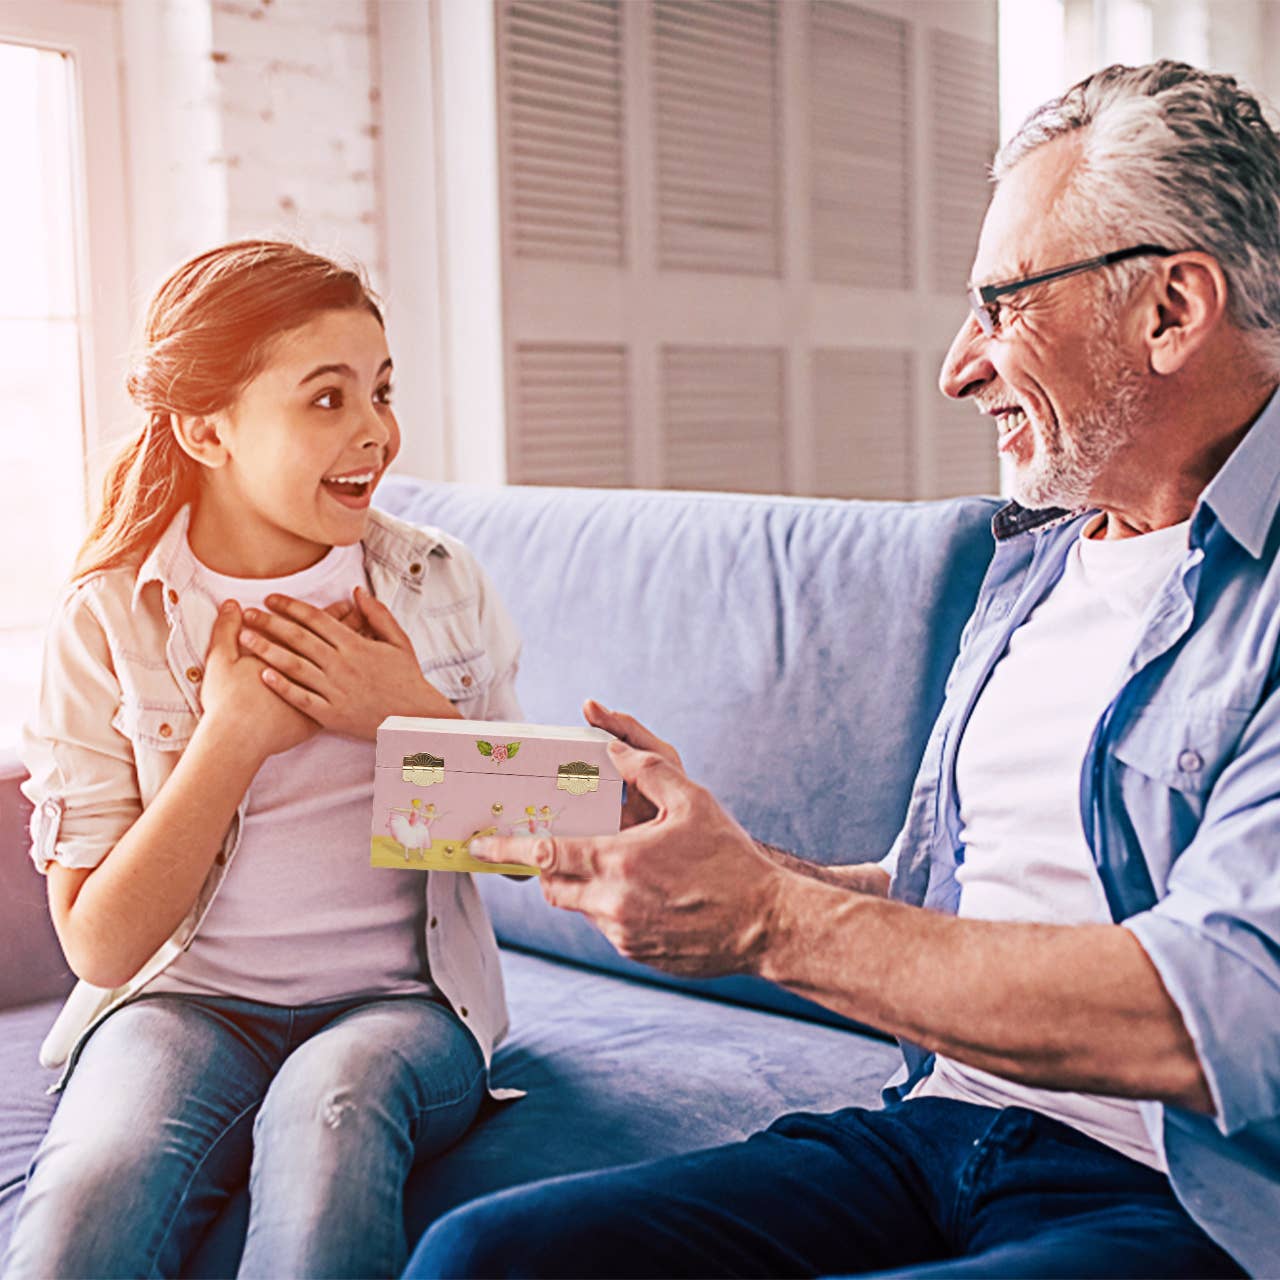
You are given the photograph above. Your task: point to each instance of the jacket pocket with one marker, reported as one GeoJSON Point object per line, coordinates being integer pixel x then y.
{"type": "Point", "coordinates": [461, 679]}
{"type": "Point", "coordinates": [1165, 764]}
{"type": "Point", "coordinates": [158, 728]}
{"type": "Point", "coordinates": [1183, 747]}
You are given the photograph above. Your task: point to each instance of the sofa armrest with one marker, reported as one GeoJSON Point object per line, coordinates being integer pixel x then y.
{"type": "Point", "coordinates": [32, 966]}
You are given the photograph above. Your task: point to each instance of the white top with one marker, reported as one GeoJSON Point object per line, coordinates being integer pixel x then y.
{"type": "Point", "coordinates": [1018, 776]}
{"type": "Point", "coordinates": [301, 917]}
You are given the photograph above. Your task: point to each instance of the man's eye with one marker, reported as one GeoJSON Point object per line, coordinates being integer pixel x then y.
{"type": "Point", "coordinates": [383, 394]}
{"type": "Point", "coordinates": [331, 399]}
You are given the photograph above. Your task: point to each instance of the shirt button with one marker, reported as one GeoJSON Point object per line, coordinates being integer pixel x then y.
{"type": "Point", "coordinates": [433, 923]}
{"type": "Point", "coordinates": [194, 674]}
{"type": "Point", "coordinates": [467, 682]}
{"type": "Point", "coordinates": [166, 731]}
{"type": "Point", "coordinates": [463, 1010]}
{"type": "Point", "coordinates": [1189, 761]}
{"type": "Point", "coordinates": [173, 596]}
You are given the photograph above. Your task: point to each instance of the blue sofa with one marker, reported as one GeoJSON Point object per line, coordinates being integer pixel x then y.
{"type": "Point", "coordinates": [795, 652]}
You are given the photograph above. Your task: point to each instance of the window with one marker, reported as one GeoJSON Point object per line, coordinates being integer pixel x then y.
{"type": "Point", "coordinates": [42, 445]}
{"type": "Point", "coordinates": [63, 326]}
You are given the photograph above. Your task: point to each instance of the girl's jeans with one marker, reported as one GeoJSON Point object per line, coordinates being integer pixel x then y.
{"type": "Point", "coordinates": [176, 1098]}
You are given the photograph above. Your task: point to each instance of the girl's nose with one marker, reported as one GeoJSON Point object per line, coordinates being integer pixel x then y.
{"type": "Point", "coordinates": [374, 428]}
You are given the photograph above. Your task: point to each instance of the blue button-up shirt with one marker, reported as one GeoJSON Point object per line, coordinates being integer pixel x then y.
{"type": "Point", "coordinates": [1180, 806]}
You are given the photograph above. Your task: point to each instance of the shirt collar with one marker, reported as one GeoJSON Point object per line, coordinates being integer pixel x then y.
{"type": "Point", "coordinates": [1245, 493]}
{"type": "Point", "coordinates": [171, 562]}
{"type": "Point", "coordinates": [1013, 518]}
{"type": "Point", "coordinates": [400, 543]}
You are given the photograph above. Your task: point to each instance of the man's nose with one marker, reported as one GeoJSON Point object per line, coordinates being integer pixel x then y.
{"type": "Point", "coordinates": [966, 367]}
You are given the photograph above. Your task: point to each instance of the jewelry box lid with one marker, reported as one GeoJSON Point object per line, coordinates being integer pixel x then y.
{"type": "Point", "coordinates": [425, 748]}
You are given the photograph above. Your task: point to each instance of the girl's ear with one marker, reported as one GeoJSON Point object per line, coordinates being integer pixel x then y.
{"type": "Point", "coordinates": [200, 438]}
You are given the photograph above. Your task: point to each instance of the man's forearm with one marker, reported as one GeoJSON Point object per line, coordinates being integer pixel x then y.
{"type": "Point", "coordinates": [861, 877]}
{"type": "Point", "coordinates": [1073, 1007]}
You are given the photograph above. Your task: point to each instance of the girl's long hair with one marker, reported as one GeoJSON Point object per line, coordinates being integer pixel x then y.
{"type": "Point", "coordinates": [208, 331]}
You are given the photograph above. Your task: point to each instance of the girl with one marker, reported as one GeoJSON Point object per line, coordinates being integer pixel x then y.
{"type": "Point", "coordinates": [254, 998]}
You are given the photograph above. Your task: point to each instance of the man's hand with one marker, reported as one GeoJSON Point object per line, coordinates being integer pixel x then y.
{"type": "Point", "coordinates": [346, 675]}
{"type": "Point", "coordinates": [637, 808]}
{"type": "Point", "coordinates": [687, 891]}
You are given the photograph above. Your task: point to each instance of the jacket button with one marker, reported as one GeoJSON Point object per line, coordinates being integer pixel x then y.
{"type": "Point", "coordinates": [173, 596]}
{"type": "Point", "coordinates": [433, 923]}
{"type": "Point", "coordinates": [1190, 761]}
{"type": "Point", "coordinates": [467, 682]}
{"type": "Point", "coordinates": [194, 674]}
{"type": "Point", "coordinates": [463, 1010]}
{"type": "Point", "coordinates": [415, 568]}
{"type": "Point", "coordinates": [166, 731]}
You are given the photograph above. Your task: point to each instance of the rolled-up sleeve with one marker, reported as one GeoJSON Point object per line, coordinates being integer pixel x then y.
{"type": "Point", "coordinates": [83, 783]}
{"type": "Point", "coordinates": [1215, 937]}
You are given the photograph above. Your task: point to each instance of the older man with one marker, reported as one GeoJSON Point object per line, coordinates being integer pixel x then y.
{"type": "Point", "coordinates": [1077, 933]}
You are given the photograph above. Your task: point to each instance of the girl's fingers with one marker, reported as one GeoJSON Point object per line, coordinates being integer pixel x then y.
{"type": "Point", "coordinates": [381, 619]}
{"type": "Point", "coordinates": [283, 660]}
{"type": "Point", "coordinates": [324, 626]}
{"type": "Point", "coordinates": [298, 697]}
{"type": "Point", "coordinates": [343, 611]}
{"type": "Point", "coordinates": [301, 639]}
{"type": "Point", "coordinates": [225, 625]}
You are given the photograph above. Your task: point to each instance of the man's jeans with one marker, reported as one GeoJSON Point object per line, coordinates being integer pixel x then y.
{"type": "Point", "coordinates": [175, 1099]}
{"type": "Point", "coordinates": [931, 1187]}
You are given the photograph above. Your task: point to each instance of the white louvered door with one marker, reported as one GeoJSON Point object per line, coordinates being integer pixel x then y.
{"type": "Point", "coordinates": [735, 240]}
{"type": "Point", "coordinates": [715, 98]}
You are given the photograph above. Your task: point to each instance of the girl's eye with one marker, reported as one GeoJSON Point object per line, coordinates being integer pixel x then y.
{"type": "Point", "coordinates": [383, 394]}
{"type": "Point", "coordinates": [330, 399]}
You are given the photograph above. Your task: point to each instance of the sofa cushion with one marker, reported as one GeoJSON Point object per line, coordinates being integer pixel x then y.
{"type": "Point", "coordinates": [25, 1105]}
{"type": "Point", "coordinates": [615, 1070]}
{"type": "Point", "coordinates": [32, 967]}
{"type": "Point", "coordinates": [793, 650]}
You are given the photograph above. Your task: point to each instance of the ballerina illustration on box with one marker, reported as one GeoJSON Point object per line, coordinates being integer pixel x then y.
{"type": "Point", "coordinates": [411, 828]}
{"type": "Point", "coordinates": [536, 821]}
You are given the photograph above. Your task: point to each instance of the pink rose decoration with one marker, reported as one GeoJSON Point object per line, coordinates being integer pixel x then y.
{"type": "Point", "coordinates": [499, 753]}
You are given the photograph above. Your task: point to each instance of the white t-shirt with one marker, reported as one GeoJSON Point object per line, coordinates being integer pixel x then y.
{"type": "Point", "coordinates": [302, 917]}
{"type": "Point", "coordinates": [1018, 777]}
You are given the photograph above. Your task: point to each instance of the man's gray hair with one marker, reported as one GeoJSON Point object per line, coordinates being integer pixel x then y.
{"type": "Point", "coordinates": [1174, 156]}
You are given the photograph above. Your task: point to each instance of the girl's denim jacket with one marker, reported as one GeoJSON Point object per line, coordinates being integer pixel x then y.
{"type": "Point", "coordinates": [120, 698]}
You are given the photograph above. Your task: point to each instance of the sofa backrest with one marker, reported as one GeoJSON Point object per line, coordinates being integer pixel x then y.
{"type": "Point", "coordinates": [793, 650]}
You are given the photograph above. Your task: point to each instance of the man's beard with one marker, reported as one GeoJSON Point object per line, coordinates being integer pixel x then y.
{"type": "Point", "coordinates": [1069, 458]}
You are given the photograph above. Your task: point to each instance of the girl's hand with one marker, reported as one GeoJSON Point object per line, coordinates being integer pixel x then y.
{"type": "Point", "coordinates": [232, 691]}
{"type": "Point", "coordinates": [345, 680]}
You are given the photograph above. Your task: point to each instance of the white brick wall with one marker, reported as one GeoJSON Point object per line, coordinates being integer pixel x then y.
{"type": "Point", "coordinates": [299, 113]}
{"type": "Point", "coordinates": [248, 118]}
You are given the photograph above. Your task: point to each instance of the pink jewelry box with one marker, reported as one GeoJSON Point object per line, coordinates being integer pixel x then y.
{"type": "Point", "coordinates": [441, 783]}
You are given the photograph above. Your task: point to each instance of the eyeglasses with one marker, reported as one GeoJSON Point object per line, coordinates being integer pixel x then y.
{"type": "Point", "coordinates": [983, 298]}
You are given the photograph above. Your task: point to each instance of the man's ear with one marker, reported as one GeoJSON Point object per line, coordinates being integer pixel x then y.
{"type": "Point", "coordinates": [200, 438]}
{"type": "Point", "coordinates": [1189, 303]}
